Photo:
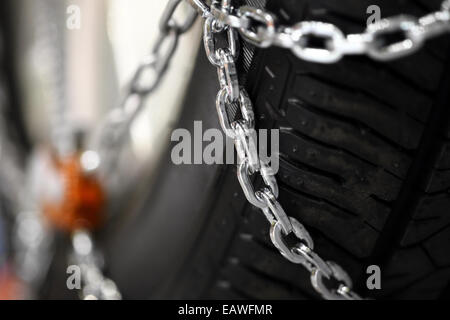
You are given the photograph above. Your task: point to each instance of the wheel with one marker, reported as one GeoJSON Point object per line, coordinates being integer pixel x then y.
{"type": "Point", "coordinates": [364, 164]}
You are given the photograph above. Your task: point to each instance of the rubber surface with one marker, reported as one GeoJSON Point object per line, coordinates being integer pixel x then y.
{"type": "Point", "coordinates": [365, 165]}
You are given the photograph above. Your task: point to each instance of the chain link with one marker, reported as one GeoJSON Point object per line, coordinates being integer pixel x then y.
{"type": "Point", "coordinates": [218, 22]}
{"type": "Point", "coordinates": [260, 28]}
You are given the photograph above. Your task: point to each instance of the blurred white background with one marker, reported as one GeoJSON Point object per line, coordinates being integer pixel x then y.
{"type": "Point", "coordinates": [86, 71]}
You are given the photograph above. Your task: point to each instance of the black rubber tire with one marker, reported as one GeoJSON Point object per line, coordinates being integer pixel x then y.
{"type": "Point", "coordinates": [365, 165]}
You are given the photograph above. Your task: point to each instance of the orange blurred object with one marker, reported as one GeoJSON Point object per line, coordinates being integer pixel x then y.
{"type": "Point", "coordinates": [11, 287]}
{"type": "Point", "coordinates": [82, 200]}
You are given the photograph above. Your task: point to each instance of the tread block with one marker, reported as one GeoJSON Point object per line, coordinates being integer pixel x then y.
{"type": "Point", "coordinates": [406, 267]}
{"type": "Point", "coordinates": [444, 158]}
{"type": "Point", "coordinates": [349, 171]}
{"type": "Point", "coordinates": [254, 285]}
{"type": "Point", "coordinates": [439, 181]}
{"type": "Point", "coordinates": [438, 252]}
{"type": "Point", "coordinates": [427, 288]}
{"type": "Point", "coordinates": [347, 137]}
{"type": "Point", "coordinates": [432, 215]}
{"type": "Point", "coordinates": [267, 260]}
{"type": "Point", "coordinates": [355, 106]}
{"type": "Point", "coordinates": [333, 222]}
{"type": "Point", "coordinates": [324, 188]}
{"type": "Point", "coordinates": [347, 74]}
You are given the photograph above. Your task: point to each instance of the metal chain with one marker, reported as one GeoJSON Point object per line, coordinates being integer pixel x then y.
{"type": "Point", "coordinates": [95, 285]}
{"type": "Point", "coordinates": [260, 28]}
{"type": "Point", "coordinates": [109, 139]}
{"type": "Point", "coordinates": [242, 131]}
{"type": "Point", "coordinates": [30, 240]}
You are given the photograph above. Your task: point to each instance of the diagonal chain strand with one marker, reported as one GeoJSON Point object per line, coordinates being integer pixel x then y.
{"type": "Point", "coordinates": [242, 131]}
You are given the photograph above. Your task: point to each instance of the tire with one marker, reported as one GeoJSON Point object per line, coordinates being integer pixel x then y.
{"type": "Point", "coordinates": [364, 164]}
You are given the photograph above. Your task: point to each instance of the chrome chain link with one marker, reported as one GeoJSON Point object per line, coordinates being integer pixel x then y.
{"type": "Point", "coordinates": [243, 132]}
{"type": "Point", "coordinates": [260, 28]}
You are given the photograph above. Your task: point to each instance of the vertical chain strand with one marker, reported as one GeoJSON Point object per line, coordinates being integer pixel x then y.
{"type": "Point", "coordinates": [242, 131]}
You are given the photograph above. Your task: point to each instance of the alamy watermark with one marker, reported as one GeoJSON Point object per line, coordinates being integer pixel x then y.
{"type": "Point", "coordinates": [73, 281]}
{"type": "Point", "coordinates": [373, 281]}
{"type": "Point", "coordinates": [375, 14]}
{"type": "Point", "coordinates": [73, 21]}
{"type": "Point", "coordinates": [73, 12]}
{"type": "Point", "coordinates": [212, 146]}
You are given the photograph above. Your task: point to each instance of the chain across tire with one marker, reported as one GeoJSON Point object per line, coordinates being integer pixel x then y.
{"type": "Point", "coordinates": [372, 42]}
{"type": "Point", "coordinates": [242, 131]}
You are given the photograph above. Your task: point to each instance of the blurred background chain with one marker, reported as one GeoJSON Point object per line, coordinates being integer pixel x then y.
{"type": "Point", "coordinates": [71, 181]}
{"type": "Point", "coordinates": [146, 79]}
